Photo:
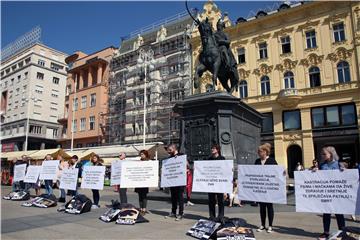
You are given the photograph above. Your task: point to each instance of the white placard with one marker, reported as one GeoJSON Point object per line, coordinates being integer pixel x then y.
{"type": "Point", "coordinates": [213, 176]}
{"type": "Point", "coordinates": [32, 174]}
{"type": "Point", "coordinates": [69, 178]}
{"type": "Point", "coordinates": [49, 169]}
{"type": "Point", "coordinates": [327, 191]}
{"type": "Point", "coordinates": [139, 174]}
{"type": "Point", "coordinates": [173, 171]}
{"type": "Point", "coordinates": [19, 172]}
{"type": "Point", "coordinates": [116, 172]}
{"type": "Point", "coordinates": [262, 183]}
{"type": "Point", "coordinates": [93, 177]}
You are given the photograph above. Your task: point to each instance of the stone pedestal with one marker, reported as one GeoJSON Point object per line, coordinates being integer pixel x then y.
{"type": "Point", "coordinates": [218, 117]}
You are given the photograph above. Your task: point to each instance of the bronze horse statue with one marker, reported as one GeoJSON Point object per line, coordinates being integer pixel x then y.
{"type": "Point", "coordinates": [211, 59]}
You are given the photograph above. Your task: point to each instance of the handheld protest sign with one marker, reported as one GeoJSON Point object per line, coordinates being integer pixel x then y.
{"type": "Point", "coordinates": [173, 171]}
{"type": "Point", "coordinates": [93, 177]}
{"type": "Point", "coordinates": [137, 174]}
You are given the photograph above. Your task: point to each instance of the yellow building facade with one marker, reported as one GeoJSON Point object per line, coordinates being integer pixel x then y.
{"type": "Point", "coordinates": [299, 66]}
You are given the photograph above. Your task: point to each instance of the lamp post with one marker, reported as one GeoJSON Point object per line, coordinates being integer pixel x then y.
{"type": "Point", "coordinates": [145, 60]}
{"type": "Point", "coordinates": [27, 119]}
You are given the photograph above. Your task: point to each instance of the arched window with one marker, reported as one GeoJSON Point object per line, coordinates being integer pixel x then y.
{"type": "Point", "coordinates": [265, 85]}
{"type": "Point", "coordinates": [289, 80]}
{"type": "Point", "coordinates": [343, 72]}
{"type": "Point", "coordinates": [243, 89]}
{"type": "Point", "coordinates": [314, 76]}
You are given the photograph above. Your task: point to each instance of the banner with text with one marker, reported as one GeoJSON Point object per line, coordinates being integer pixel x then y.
{"type": "Point", "coordinates": [69, 178]}
{"type": "Point", "coordinates": [93, 177]}
{"type": "Point", "coordinates": [32, 174]}
{"type": "Point", "coordinates": [173, 171]}
{"type": "Point", "coordinates": [49, 169]}
{"type": "Point", "coordinates": [19, 172]}
{"type": "Point", "coordinates": [213, 176]}
{"type": "Point", "coordinates": [116, 172]}
{"type": "Point", "coordinates": [139, 174]}
{"type": "Point", "coordinates": [330, 191]}
{"type": "Point", "coordinates": [260, 183]}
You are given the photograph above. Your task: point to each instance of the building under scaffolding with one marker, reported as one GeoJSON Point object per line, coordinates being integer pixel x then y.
{"type": "Point", "coordinates": [167, 83]}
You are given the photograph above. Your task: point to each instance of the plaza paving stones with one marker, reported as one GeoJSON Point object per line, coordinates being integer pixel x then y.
{"type": "Point", "coordinates": [35, 223]}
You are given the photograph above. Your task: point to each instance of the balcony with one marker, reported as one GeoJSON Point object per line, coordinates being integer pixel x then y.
{"type": "Point", "coordinates": [289, 98]}
{"type": "Point", "coordinates": [62, 119]}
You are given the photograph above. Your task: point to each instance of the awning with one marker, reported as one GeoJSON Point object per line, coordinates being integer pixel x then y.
{"type": "Point", "coordinates": [82, 154]}
{"type": "Point", "coordinates": [107, 161]}
{"type": "Point", "coordinates": [11, 155]}
{"type": "Point", "coordinates": [40, 155]}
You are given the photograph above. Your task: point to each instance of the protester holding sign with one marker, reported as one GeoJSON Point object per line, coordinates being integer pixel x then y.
{"type": "Point", "coordinates": [213, 197]}
{"type": "Point", "coordinates": [63, 165]}
{"type": "Point", "coordinates": [177, 193]}
{"type": "Point", "coordinates": [75, 163]}
{"type": "Point", "coordinates": [96, 161]}
{"type": "Point", "coordinates": [264, 152]}
{"type": "Point", "coordinates": [330, 158]}
{"type": "Point", "coordinates": [142, 192]}
{"type": "Point", "coordinates": [36, 185]}
{"type": "Point", "coordinates": [122, 191]}
{"type": "Point", "coordinates": [48, 182]}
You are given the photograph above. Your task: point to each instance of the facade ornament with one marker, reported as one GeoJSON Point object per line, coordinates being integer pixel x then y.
{"type": "Point", "coordinates": [138, 42]}
{"type": "Point", "coordinates": [340, 54]}
{"type": "Point", "coordinates": [261, 38]}
{"type": "Point", "coordinates": [312, 60]}
{"type": "Point", "coordinates": [244, 74]}
{"type": "Point", "coordinates": [237, 44]}
{"type": "Point", "coordinates": [161, 34]}
{"type": "Point", "coordinates": [283, 32]}
{"type": "Point", "coordinates": [287, 64]}
{"type": "Point", "coordinates": [336, 18]}
{"type": "Point", "coordinates": [264, 69]}
{"type": "Point", "coordinates": [308, 25]}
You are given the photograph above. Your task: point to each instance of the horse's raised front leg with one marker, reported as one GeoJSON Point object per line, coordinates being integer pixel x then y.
{"type": "Point", "coordinates": [200, 69]}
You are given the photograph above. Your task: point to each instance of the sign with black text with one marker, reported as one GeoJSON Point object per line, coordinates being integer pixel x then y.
{"type": "Point", "coordinates": [328, 191]}
{"type": "Point", "coordinates": [139, 174]}
{"type": "Point", "coordinates": [173, 171]}
{"type": "Point", "coordinates": [213, 176]}
{"type": "Point", "coordinates": [93, 177]}
{"type": "Point", "coordinates": [262, 183]}
{"type": "Point", "coordinates": [69, 178]}
{"type": "Point", "coordinates": [49, 169]}
{"type": "Point", "coordinates": [19, 172]}
{"type": "Point", "coordinates": [32, 174]}
{"type": "Point", "coordinates": [116, 172]}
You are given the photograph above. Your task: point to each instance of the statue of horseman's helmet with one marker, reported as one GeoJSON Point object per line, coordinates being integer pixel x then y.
{"type": "Point", "coordinates": [220, 24]}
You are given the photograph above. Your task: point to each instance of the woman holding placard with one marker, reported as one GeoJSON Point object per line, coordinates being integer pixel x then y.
{"type": "Point", "coordinates": [48, 182]}
{"type": "Point", "coordinates": [142, 192]}
{"type": "Point", "coordinates": [265, 159]}
{"type": "Point", "coordinates": [96, 161]}
{"type": "Point", "coordinates": [330, 158]}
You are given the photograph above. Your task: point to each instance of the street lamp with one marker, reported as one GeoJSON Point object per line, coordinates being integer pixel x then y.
{"type": "Point", "coordinates": [145, 60]}
{"type": "Point", "coordinates": [27, 118]}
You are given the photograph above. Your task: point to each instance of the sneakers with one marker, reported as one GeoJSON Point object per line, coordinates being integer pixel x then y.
{"type": "Point", "coordinates": [323, 236]}
{"type": "Point", "coordinates": [189, 203]}
{"type": "Point", "coordinates": [95, 206]}
{"type": "Point", "coordinates": [269, 230]}
{"type": "Point", "coordinates": [171, 215]}
{"type": "Point", "coordinates": [179, 217]}
{"type": "Point", "coordinates": [260, 229]}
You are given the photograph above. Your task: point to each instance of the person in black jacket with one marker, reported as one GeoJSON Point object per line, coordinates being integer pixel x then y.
{"type": "Point", "coordinates": [142, 192]}
{"type": "Point", "coordinates": [216, 155]}
{"type": "Point", "coordinates": [177, 193]}
{"type": "Point", "coordinates": [264, 152]}
{"type": "Point", "coordinates": [96, 161]}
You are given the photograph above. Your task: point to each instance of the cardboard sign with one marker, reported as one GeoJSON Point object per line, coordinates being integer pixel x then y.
{"type": "Point", "coordinates": [69, 178]}
{"type": "Point", "coordinates": [262, 183]}
{"type": "Point", "coordinates": [32, 174]}
{"type": "Point", "coordinates": [93, 177]}
{"type": "Point", "coordinates": [327, 191]}
{"type": "Point", "coordinates": [116, 172]}
{"type": "Point", "coordinates": [139, 174]}
{"type": "Point", "coordinates": [49, 169]}
{"type": "Point", "coordinates": [173, 171]}
{"type": "Point", "coordinates": [19, 172]}
{"type": "Point", "coordinates": [213, 176]}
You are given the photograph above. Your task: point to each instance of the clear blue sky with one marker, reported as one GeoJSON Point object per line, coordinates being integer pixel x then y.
{"type": "Point", "coordinates": [91, 26]}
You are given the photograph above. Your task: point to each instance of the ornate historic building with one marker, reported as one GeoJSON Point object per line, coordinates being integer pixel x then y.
{"type": "Point", "coordinates": [299, 66]}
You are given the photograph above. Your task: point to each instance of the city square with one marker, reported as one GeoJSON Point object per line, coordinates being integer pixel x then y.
{"type": "Point", "coordinates": [207, 120]}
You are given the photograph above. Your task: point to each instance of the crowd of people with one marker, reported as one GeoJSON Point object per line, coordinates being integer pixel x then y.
{"type": "Point", "coordinates": [329, 161]}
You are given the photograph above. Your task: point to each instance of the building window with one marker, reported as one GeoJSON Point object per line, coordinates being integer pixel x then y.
{"type": "Point", "coordinates": [343, 71]}
{"type": "Point", "coordinates": [134, 97]}
{"type": "Point", "coordinates": [241, 55]}
{"type": "Point", "coordinates": [263, 50]}
{"type": "Point", "coordinates": [74, 126]}
{"type": "Point", "coordinates": [35, 129]}
{"type": "Point", "coordinates": [333, 116]}
{"type": "Point", "coordinates": [92, 122]}
{"type": "Point", "coordinates": [56, 80]}
{"type": "Point", "coordinates": [289, 80]}
{"type": "Point", "coordinates": [83, 102]}
{"type": "Point", "coordinates": [339, 32]}
{"type": "Point", "coordinates": [291, 120]}
{"type": "Point", "coordinates": [39, 89]}
{"type": "Point", "coordinates": [40, 76]}
{"type": "Point", "coordinates": [93, 100]}
{"type": "Point", "coordinates": [75, 104]}
{"type": "Point", "coordinates": [41, 62]}
{"type": "Point", "coordinates": [243, 89]}
{"type": "Point", "coordinates": [82, 124]}
{"type": "Point", "coordinates": [55, 67]}
{"type": "Point", "coordinates": [25, 75]}
{"type": "Point", "coordinates": [314, 76]}
{"type": "Point", "coordinates": [285, 44]}
{"type": "Point", "coordinates": [265, 85]}
{"type": "Point", "coordinates": [311, 39]}
{"type": "Point", "coordinates": [18, 78]}
{"type": "Point", "coordinates": [267, 123]}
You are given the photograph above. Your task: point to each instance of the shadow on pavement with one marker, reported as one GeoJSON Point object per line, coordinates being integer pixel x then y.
{"type": "Point", "coordinates": [186, 215]}
{"type": "Point", "coordinates": [294, 231]}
